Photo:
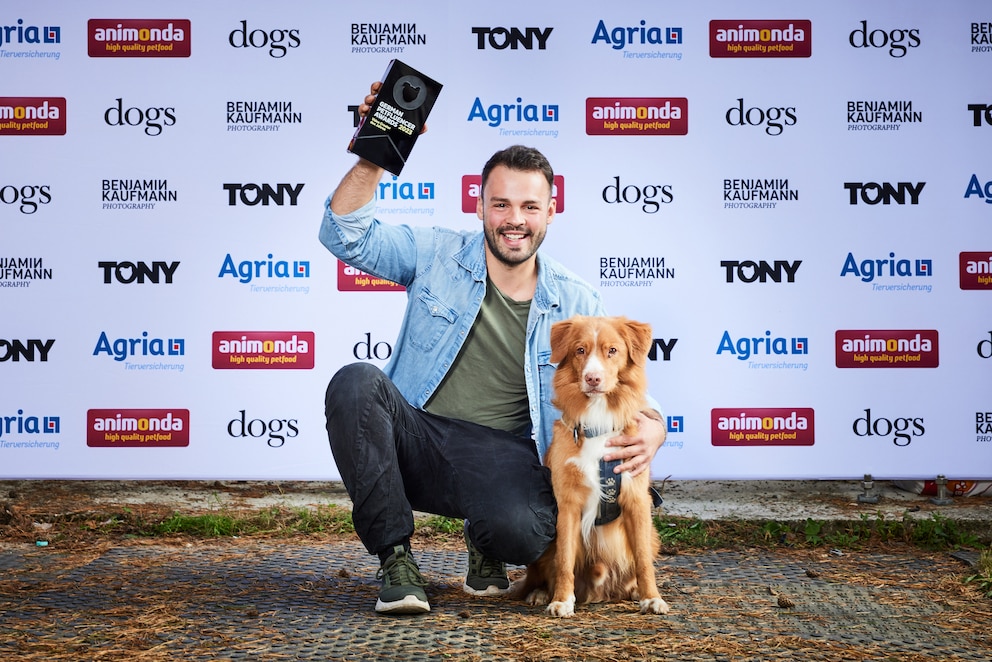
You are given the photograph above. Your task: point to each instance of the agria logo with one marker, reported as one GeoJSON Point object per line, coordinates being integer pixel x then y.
{"type": "Point", "coordinates": [975, 187]}
{"type": "Point", "coordinates": [19, 425]}
{"type": "Point", "coordinates": [621, 37]}
{"type": "Point", "coordinates": [497, 114]}
{"type": "Point", "coordinates": [869, 269]}
{"type": "Point", "coordinates": [744, 348]}
{"type": "Point", "coordinates": [248, 270]}
{"type": "Point", "coordinates": [141, 347]}
{"type": "Point", "coordinates": [401, 191]}
{"type": "Point", "coordinates": [31, 38]}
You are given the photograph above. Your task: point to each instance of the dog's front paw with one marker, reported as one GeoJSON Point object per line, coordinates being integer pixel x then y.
{"type": "Point", "coordinates": [654, 606]}
{"type": "Point", "coordinates": [537, 597]}
{"type": "Point", "coordinates": [563, 608]}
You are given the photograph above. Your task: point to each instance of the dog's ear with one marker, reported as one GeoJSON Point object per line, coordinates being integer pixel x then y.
{"type": "Point", "coordinates": [559, 331]}
{"type": "Point", "coordinates": [638, 337]}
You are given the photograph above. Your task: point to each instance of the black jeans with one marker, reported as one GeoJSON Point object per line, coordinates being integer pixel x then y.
{"type": "Point", "coordinates": [395, 459]}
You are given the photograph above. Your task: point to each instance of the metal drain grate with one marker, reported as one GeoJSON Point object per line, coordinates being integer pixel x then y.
{"type": "Point", "coordinates": [314, 602]}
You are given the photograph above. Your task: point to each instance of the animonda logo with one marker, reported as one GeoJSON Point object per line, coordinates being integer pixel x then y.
{"type": "Point", "coordinates": [32, 116]}
{"type": "Point", "coordinates": [771, 38]}
{"type": "Point", "coordinates": [143, 37]}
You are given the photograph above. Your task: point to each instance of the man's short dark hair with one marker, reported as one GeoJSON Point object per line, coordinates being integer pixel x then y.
{"type": "Point", "coordinates": [520, 158]}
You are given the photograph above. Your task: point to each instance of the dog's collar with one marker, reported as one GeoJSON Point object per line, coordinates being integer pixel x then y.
{"type": "Point", "coordinates": [589, 432]}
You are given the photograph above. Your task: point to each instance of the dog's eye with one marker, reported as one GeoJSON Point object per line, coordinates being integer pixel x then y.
{"type": "Point", "coordinates": [612, 351]}
{"type": "Point", "coordinates": [580, 350]}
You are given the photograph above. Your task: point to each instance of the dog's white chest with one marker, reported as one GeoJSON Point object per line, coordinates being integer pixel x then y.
{"type": "Point", "coordinates": [588, 462]}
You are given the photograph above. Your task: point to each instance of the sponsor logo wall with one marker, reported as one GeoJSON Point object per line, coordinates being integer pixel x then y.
{"type": "Point", "coordinates": [799, 201]}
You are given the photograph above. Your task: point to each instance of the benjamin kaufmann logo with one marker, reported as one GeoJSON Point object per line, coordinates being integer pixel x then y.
{"type": "Point", "coordinates": [385, 37]}
{"type": "Point", "coordinates": [981, 37]}
{"type": "Point", "coordinates": [17, 271]}
{"type": "Point", "coordinates": [757, 193]}
{"type": "Point", "coordinates": [135, 194]}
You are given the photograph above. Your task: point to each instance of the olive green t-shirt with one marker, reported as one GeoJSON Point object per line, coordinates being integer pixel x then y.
{"type": "Point", "coordinates": [485, 385]}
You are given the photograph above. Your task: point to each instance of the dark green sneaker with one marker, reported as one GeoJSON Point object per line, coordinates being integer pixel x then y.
{"type": "Point", "coordinates": [485, 576]}
{"type": "Point", "coordinates": [402, 585]}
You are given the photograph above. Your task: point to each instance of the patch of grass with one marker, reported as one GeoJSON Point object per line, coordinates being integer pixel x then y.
{"type": "Point", "coordinates": [211, 525]}
{"type": "Point", "coordinates": [813, 530]}
{"type": "Point", "coordinates": [983, 576]}
{"type": "Point", "coordinates": [270, 521]}
{"type": "Point", "coordinates": [680, 532]}
{"type": "Point", "coordinates": [934, 534]}
{"type": "Point", "coordinates": [438, 525]}
{"type": "Point", "coordinates": [940, 532]}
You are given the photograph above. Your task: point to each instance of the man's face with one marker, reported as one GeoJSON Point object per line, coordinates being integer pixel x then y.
{"type": "Point", "coordinates": [516, 208]}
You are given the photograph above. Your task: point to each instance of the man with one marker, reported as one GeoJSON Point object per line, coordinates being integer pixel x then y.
{"type": "Point", "coordinates": [457, 423]}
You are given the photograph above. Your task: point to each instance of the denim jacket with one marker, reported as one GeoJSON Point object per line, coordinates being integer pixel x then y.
{"type": "Point", "coordinates": [444, 272]}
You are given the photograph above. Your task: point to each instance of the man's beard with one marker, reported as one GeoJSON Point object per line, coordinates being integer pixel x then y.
{"type": "Point", "coordinates": [511, 257]}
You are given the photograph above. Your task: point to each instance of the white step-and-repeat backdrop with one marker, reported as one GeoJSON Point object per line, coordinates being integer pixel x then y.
{"type": "Point", "coordinates": [796, 196]}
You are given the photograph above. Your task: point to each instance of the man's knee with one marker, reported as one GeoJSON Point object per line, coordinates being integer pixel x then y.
{"type": "Point", "coordinates": [349, 385]}
{"type": "Point", "coordinates": [347, 395]}
{"type": "Point", "coordinates": [518, 538]}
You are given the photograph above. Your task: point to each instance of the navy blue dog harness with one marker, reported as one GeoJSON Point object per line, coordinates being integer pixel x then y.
{"type": "Point", "coordinates": [609, 483]}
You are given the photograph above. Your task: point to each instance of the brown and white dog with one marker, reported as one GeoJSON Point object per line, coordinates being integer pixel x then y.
{"type": "Point", "coordinates": [600, 385]}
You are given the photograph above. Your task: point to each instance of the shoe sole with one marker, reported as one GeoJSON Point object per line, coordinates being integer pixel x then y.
{"type": "Point", "coordinates": [410, 604]}
{"type": "Point", "coordinates": [489, 590]}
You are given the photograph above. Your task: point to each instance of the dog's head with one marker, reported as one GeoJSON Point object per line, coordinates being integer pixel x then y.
{"type": "Point", "coordinates": [600, 356]}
